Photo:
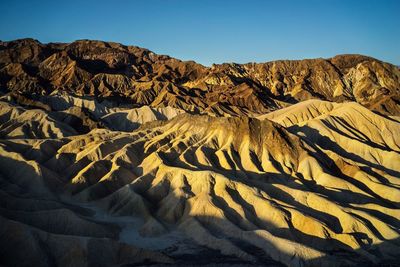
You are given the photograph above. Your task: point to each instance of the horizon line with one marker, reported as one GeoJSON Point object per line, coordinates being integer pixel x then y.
{"type": "Point", "coordinates": [195, 61]}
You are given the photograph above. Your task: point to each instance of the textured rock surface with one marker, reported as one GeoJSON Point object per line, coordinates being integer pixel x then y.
{"type": "Point", "coordinates": [104, 69]}
{"type": "Point", "coordinates": [113, 156]}
{"type": "Point", "coordinates": [319, 186]}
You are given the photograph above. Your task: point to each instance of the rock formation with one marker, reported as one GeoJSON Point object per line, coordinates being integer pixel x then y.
{"type": "Point", "coordinates": [111, 155]}
{"type": "Point", "coordinates": [102, 69]}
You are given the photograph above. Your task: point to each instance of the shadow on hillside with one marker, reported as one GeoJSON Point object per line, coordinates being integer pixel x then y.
{"type": "Point", "coordinates": [315, 139]}
{"type": "Point", "coordinates": [232, 229]}
{"type": "Point", "coordinates": [338, 253]}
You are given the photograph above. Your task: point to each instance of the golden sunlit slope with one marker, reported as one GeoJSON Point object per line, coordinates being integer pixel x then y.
{"type": "Point", "coordinates": [62, 115]}
{"type": "Point", "coordinates": [315, 184]}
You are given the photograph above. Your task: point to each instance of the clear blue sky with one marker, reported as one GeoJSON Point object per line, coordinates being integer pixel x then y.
{"type": "Point", "coordinates": [212, 31]}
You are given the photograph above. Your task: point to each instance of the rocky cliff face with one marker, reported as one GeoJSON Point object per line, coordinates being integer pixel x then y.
{"type": "Point", "coordinates": [103, 69]}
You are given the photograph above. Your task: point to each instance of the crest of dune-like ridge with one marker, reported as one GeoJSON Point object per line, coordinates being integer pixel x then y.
{"type": "Point", "coordinates": [112, 155]}
{"type": "Point", "coordinates": [314, 184]}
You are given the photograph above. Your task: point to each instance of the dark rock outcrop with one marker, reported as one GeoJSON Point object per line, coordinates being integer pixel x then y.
{"type": "Point", "coordinates": [105, 69]}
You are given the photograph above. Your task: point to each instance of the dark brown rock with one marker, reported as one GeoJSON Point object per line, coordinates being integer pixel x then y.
{"type": "Point", "coordinates": [104, 69]}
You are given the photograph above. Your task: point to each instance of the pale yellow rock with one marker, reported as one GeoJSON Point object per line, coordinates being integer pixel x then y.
{"type": "Point", "coordinates": [323, 177]}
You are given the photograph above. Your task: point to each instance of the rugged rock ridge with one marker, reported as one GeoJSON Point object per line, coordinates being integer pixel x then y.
{"type": "Point", "coordinates": [314, 184]}
{"type": "Point", "coordinates": [104, 69]}
{"type": "Point", "coordinates": [111, 155]}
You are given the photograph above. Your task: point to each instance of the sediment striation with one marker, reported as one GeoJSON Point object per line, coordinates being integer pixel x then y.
{"type": "Point", "coordinates": [111, 155]}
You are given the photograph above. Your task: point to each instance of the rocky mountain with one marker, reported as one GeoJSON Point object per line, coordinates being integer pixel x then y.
{"type": "Point", "coordinates": [104, 69]}
{"type": "Point", "coordinates": [111, 155]}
